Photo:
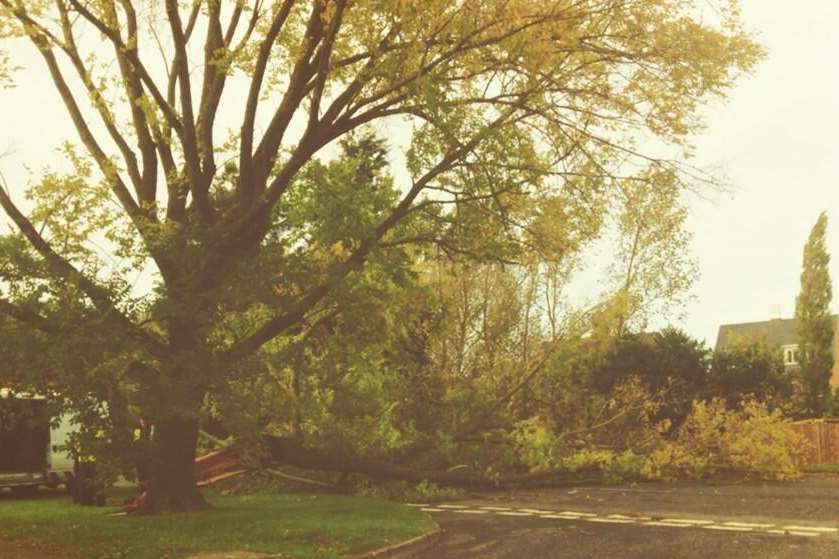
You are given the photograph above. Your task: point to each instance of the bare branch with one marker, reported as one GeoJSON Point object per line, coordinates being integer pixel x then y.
{"type": "Point", "coordinates": [303, 71]}
{"type": "Point", "coordinates": [245, 187]}
{"type": "Point", "coordinates": [277, 325]}
{"type": "Point", "coordinates": [105, 165]}
{"type": "Point", "coordinates": [134, 90]}
{"type": "Point", "coordinates": [211, 90]}
{"type": "Point", "coordinates": [188, 133]}
{"type": "Point", "coordinates": [322, 62]}
{"type": "Point", "coordinates": [113, 35]}
{"type": "Point", "coordinates": [72, 52]}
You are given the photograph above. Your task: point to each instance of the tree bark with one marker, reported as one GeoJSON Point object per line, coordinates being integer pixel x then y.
{"type": "Point", "coordinates": [172, 486]}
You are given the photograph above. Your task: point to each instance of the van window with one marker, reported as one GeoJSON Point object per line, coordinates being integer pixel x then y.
{"type": "Point", "coordinates": [24, 435]}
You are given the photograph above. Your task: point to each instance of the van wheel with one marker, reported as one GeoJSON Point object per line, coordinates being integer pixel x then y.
{"type": "Point", "coordinates": [53, 481]}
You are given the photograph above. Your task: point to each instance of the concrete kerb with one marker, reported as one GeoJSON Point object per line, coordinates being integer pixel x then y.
{"type": "Point", "coordinates": [404, 550]}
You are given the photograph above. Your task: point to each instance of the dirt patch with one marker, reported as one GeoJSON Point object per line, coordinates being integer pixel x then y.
{"type": "Point", "coordinates": [10, 550]}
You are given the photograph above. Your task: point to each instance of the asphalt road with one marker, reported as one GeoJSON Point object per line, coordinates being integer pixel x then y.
{"type": "Point", "coordinates": [686, 520]}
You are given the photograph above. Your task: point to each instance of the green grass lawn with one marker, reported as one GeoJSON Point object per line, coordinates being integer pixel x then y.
{"type": "Point", "coordinates": [298, 525]}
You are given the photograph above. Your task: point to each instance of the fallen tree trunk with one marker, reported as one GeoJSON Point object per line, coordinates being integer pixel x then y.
{"type": "Point", "coordinates": [292, 453]}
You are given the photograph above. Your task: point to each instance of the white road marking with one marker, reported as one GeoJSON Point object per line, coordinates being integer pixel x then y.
{"type": "Point", "coordinates": [822, 529]}
{"type": "Point", "coordinates": [723, 526]}
{"type": "Point", "coordinates": [610, 521]}
{"type": "Point", "coordinates": [667, 524]}
{"type": "Point", "coordinates": [804, 534]}
{"type": "Point", "coordinates": [748, 525]}
{"type": "Point", "coordinates": [625, 517]}
{"type": "Point", "coordinates": [728, 528]}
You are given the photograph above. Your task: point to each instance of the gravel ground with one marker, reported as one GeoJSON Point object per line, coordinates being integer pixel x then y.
{"type": "Point", "coordinates": [12, 551]}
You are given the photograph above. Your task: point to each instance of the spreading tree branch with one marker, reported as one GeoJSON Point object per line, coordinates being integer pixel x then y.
{"type": "Point", "coordinates": [62, 268]}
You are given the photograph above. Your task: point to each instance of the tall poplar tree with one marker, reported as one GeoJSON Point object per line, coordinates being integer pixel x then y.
{"type": "Point", "coordinates": [815, 322]}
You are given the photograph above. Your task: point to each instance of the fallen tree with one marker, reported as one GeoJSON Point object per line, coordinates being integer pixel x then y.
{"type": "Point", "coordinates": [290, 452]}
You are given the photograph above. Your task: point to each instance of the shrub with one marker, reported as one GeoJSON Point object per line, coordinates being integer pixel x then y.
{"type": "Point", "coordinates": [614, 467]}
{"type": "Point", "coordinates": [764, 443]}
{"type": "Point", "coordinates": [537, 445]}
{"type": "Point", "coordinates": [750, 439]}
{"type": "Point", "coordinates": [629, 444]}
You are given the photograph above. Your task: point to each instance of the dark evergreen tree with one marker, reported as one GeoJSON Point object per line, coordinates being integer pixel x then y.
{"type": "Point", "coordinates": [815, 322]}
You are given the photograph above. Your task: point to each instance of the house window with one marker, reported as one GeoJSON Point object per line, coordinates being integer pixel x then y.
{"type": "Point", "coordinates": [791, 355]}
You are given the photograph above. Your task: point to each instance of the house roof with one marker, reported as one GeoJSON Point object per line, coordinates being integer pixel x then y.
{"type": "Point", "coordinates": [777, 332]}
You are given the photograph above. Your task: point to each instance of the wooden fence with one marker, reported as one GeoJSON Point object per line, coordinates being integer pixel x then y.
{"type": "Point", "coordinates": [823, 436]}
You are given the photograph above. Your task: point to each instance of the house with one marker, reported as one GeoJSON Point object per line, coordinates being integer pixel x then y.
{"type": "Point", "coordinates": [778, 332]}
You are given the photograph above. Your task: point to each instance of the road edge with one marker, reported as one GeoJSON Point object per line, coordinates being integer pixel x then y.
{"type": "Point", "coordinates": [404, 550]}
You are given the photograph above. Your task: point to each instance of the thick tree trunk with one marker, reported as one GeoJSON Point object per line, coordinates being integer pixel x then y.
{"type": "Point", "coordinates": [171, 486]}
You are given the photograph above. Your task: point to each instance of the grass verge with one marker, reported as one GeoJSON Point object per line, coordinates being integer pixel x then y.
{"type": "Point", "coordinates": [297, 525]}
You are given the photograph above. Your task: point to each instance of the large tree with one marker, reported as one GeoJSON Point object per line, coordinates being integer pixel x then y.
{"type": "Point", "coordinates": [196, 119]}
{"type": "Point", "coordinates": [815, 322]}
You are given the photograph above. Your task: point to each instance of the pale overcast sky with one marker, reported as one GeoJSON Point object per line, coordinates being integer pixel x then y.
{"type": "Point", "coordinates": [774, 140]}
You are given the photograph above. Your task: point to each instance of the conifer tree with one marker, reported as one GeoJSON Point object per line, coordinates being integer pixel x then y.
{"type": "Point", "coordinates": [815, 322]}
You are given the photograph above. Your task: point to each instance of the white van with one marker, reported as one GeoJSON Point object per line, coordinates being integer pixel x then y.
{"type": "Point", "coordinates": [31, 444]}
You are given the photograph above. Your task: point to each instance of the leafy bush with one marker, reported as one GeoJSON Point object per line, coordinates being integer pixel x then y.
{"type": "Point", "coordinates": [765, 444]}
{"type": "Point", "coordinates": [622, 432]}
{"type": "Point", "coordinates": [630, 445]}
{"type": "Point", "coordinates": [614, 467]}
{"type": "Point", "coordinates": [751, 439]}
{"type": "Point", "coordinates": [536, 444]}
